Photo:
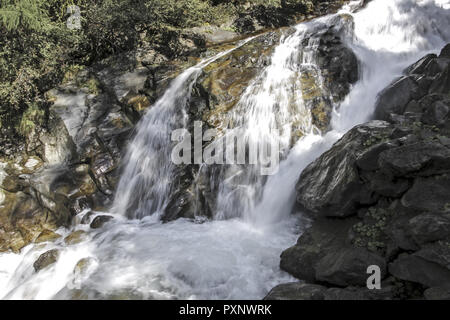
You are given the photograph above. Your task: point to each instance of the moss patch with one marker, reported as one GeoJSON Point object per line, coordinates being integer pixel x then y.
{"type": "Point", "coordinates": [32, 117]}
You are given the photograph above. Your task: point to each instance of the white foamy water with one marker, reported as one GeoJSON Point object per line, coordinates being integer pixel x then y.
{"type": "Point", "coordinates": [232, 257]}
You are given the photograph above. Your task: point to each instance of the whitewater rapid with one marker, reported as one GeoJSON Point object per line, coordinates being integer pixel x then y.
{"type": "Point", "coordinates": [235, 258]}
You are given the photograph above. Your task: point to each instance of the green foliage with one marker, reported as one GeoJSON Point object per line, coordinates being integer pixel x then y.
{"type": "Point", "coordinates": [37, 49]}
{"type": "Point", "coordinates": [26, 14]}
{"type": "Point", "coordinates": [32, 117]}
{"type": "Point", "coordinates": [305, 6]}
{"type": "Point", "coordinates": [370, 233]}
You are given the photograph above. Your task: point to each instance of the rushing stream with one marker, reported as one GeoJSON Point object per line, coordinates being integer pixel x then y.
{"type": "Point", "coordinates": [236, 254]}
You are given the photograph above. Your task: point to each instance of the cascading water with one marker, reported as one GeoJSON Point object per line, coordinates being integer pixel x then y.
{"type": "Point", "coordinates": [269, 111]}
{"type": "Point", "coordinates": [145, 183]}
{"type": "Point", "coordinates": [229, 258]}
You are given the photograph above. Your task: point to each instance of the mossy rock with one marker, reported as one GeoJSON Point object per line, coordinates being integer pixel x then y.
{"type": "Point", "coordinates": [47, 235]}
{"type": "Point", "coordinates": [224, 81]}
{"type": "Point", "coordinates": [139, 103]}
{"type": "Point", "coordinates": [75, 237]}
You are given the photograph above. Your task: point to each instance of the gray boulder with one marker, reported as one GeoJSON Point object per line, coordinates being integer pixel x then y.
{"type": "Point", "coordinates": [322, 238]}
{"type": "Point", "coordinates": [427, 156]}
{"type": "Point", "coordinates": [331, 185]}
{"type": "Point", "coordinates": [394, 98]}
{"type": "Point", "coordinates": [348, 266]}
{"type": "Point", "coordinates": [429, 227]}
{"type": "Point", "coordinates": [429, 266]}
{"type": "Point", "coordinates": [428, 194]}
{"type": "Point", "coordinates": [427, 77]}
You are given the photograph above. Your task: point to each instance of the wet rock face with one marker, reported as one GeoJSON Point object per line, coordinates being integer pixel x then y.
{"type": "Point", "coordinates": [25, 212]}
{"type": "Point", "coordinates": [223, 82]}
{"type": "Point", "coordinates": [332, 185]}
{"type": "Point", "coordinates": [337, 69]}
{"type": "Point", "coordinates": [72, 164]}
{"type": "Point", "coordinates": [388, 183]}
{"type": "Point", "coordinates": [428, 266]}
{"type": "Point", "coordinates": [383, 159]}
{"type": "Point", "coordinates": [75, 237]}
{"type": "Point", "coordinates": [338, 63]}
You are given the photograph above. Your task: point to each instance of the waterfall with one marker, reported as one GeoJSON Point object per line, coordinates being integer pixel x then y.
{"type": "Point", "coordinates": [269, 111]}
{"type": "Point", "coordinates": [235, 255]}
{"type": "Point", "coordinates": [145, 183]}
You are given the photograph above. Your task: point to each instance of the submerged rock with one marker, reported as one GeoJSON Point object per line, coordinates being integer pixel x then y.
{"type": "Point", "coordinates": [99, 221]}
{"type": "Point", "coordinates": [46, 259]}
{"type": "Point", "coordinates": [75, 237]}
{"type": "Point", "coordinates": [82, 266]}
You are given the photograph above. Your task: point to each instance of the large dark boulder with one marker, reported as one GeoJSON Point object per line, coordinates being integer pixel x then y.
{"type": "Point", "coordinates": [332, 185]}
{"type": "Point", "coordinates": [321, 239]}
{"type": "Point", "coordinates": [395, 98]}
{"type": "Point", "coordinates": [431, 194]}
{"type": "Point", "coordinates": [379, 158]}
{"type": "Point", "coordinates": [428, 157]}
{"type": "Point", "coordinates": [305, 291]}
{"type": "Point", "coordinates": [429, 227]}
{"type": "Point", "coordinates": [358, 293]}
{"type": "Point", "coordinates": [430, 266]}
{"type": "Point", "coordinates": [348, 266]}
